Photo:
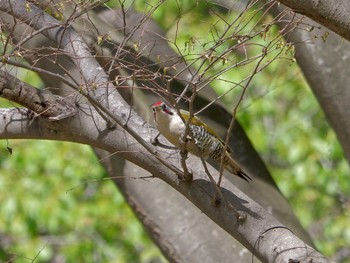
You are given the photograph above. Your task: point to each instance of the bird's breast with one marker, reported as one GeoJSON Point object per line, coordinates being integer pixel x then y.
{"type": "Point", "coordinates": [171, 128]}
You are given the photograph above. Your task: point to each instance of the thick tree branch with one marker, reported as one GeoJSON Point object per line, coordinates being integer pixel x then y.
{"type": "Point", "coordinates": [43, 103]}
{"type": "Point", "coordinates": [333, 14]}
{"type": "Point", "coordinates": [182, 232]}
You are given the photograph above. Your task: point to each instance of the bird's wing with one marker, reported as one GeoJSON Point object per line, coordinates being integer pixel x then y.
{"type": "Point", "coordinates": [197, 121]}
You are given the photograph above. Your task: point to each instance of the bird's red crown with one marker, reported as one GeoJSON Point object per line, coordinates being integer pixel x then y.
{"type": "Point", "coordinates": [159, 103]}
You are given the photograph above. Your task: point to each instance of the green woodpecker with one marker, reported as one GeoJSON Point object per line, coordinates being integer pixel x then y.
{"type": "Point", "coordinates": [201, 141]}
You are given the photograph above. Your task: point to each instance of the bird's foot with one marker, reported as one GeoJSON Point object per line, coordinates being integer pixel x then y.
{"type": "Point", "coordinates": [215, 200]}
{"type": "Point", "coordinates": [241, 217]}
{"type": "Point", "coordinates": [187, 176]}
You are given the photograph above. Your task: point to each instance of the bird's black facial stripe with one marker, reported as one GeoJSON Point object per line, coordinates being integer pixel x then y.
{"type": "Point", "coordinates": [167, 110]}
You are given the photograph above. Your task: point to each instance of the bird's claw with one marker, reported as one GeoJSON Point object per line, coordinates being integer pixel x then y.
{"type": "Point", "coordinates": [241, 217]}
{"type": "Point", "coordinates": [188, 176]}
{"type": "Point", "coordinates": [216, 200]}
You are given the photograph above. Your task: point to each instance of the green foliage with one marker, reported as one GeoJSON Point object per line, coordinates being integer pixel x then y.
{"type": "Point", "coordinates": [54, 204]}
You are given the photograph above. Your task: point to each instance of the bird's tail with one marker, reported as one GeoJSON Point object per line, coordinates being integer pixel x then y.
{"type": "Point", "coordinates": [231, 166]}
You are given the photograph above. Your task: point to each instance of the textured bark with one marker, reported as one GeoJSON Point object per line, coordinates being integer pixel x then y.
{"type": "Point", "coordinates": [183, 233]}
{"type": "Point", "coordinates": [333, 14]}
{"type": "Point", "coordinates": [42, 103]}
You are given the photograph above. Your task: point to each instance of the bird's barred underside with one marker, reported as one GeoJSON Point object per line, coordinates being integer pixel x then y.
{"type": "Point", "coordinates": [207, 144]}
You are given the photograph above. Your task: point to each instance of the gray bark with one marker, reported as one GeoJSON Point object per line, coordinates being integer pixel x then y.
{"type": "Point", "coordinates": [333, 14]}
{"type": "Point", "coordinates": [182, 232]}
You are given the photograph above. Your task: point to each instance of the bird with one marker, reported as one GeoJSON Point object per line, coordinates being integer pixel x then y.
{"type": "Point", "coordinates": [201, 140]}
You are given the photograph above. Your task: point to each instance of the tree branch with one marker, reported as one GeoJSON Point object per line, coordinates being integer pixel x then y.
{"type": "Point", "coordinates": [333, 14]}
{"type": "Point", "coordinates": [43, 103]}
{"type": "Point", "coordinates": [182, 232]}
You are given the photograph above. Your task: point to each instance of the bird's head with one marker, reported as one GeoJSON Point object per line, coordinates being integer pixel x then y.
{"type": "Point", "coordinates": [161, 108]}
